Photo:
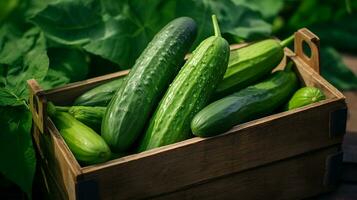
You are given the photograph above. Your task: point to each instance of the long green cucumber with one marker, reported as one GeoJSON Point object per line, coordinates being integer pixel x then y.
{"type": "Point", "coordinates": [188, 93]}
{"type": "Point", "coordinates": [132, 105]}
{"type": "Point", "coordinates": [86, 145]}
{"type": "Point", "coordinates": [100, 95]}
{"type": "Point", "coordinates": [248, 104]}
{"type": "Point", "coordinates": [250, 64]}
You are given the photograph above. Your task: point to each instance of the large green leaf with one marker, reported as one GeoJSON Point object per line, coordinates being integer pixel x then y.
{"type": "Point", "coordinates": [6, 7]}
{"type": "Point", "coordinates": [120, 30]}
{"type": "Point", "coordinates": [72, 22]}
{"type": "Point", "coordinates": [335, 71]}
{"type": "Point", "coordinates": [313, 12]}
{"type": "Point", "coordinates": [22, 59]}
{"type": "Point", "coordinates": [237, 20]}
{"type": "Point", "coordinates": [268, 8]}
{"type": "Point", "coordinates": [343, 34]}
{"type": "Point", "coordinates": [16, 150]}
{"type": "Point", "coordinates": [66, 65]}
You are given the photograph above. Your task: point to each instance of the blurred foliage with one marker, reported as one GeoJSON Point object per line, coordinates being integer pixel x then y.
{"type": "Point", "coordinates": [334, 22]}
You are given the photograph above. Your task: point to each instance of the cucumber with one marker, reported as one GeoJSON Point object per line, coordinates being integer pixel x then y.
{"type": "Point", "coordinates": [132, 105]}
{"type": "Point", "coordinates": [100, 95]}
{"type": "Point", "coordinates": [188, 93]}
{"type": "Point", "coordinates": [305, 96]}
{"type": "Point", "coordinates": [85, 144]}
{"type": "Point", "coordinates": [91, 116]}
{"type": "Point", "coordinates": [250, 64]}
{"type": "Point", "coordinates": [88, 115]}
{"type": "Point", "coordinates": [248, 104]}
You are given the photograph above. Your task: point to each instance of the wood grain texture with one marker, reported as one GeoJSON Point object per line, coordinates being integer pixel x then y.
{"type": "Point", "coordinates": [57, 161]}
{"type": "Point", "coordinates": [351, 98]}
{"type": "Point", "coordinates": [37, 104]}
{"type": "Point", "coordinates": [305, 36]}
{"type": "Point", "coordinates": [248, 145]}
{"type": "Point", "coordinates": [294, 178]}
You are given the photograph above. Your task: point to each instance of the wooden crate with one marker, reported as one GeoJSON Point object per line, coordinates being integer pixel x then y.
{"type": "Point", "coordinates": [288, 155]}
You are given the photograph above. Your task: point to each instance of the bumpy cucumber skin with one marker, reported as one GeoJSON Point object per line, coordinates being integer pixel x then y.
{"type": "Point", "coordinates": [248, 104]}
{"type": "Point", "coordinates": [305, 96]}
{"type": "Point", "coordinates": [132, 105]}
{"type": "Point", "coordinates": [189, 93]}
{"type": "Point", "coordinates": [86, 145]}
{"type": "Point", "coordinates": [248, 65]}
{"type": "Point", "coordinates": [88, 115]}
{"type": "Point", "coordinates": [100, 95]}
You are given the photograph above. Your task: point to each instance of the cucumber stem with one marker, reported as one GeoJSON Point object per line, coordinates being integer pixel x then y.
{"type": "Point", "coordinates": [217, 32]}
{"type": "Point", "coordinates": [51, 109]}
{"type": "Point", "coordinates": [62, 108]}
{"type": "Point", "coordinates": [287, 41]}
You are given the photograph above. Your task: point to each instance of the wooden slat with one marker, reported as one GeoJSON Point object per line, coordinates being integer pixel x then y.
{"type": "Point", "coordinates": [248, 145]}
{"type": "Point", "coordinates": [351, 98]}
{"type": "Point", "coordinates": [56, 158]}
{"type": "Point", "coordinates": [295, 178]}
{"type": "Point", "coordinates": [304, 35]}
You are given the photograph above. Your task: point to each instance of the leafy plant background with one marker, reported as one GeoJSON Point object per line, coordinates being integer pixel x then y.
{"type": "Point", "coordinates": [62, 41]}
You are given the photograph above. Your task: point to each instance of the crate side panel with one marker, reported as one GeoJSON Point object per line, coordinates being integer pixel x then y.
{"type": "Point", "coordinates": [294, 178]}
{"type": "Point", "coordinates": [54, 162]}
{"type": "Point", "coordinates": [260, 142]}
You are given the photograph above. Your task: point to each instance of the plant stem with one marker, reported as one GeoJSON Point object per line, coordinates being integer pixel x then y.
{"type": "Point", "coordinates": [287, 41]}
{"type": "Point", "coordinates": [217, 32]}
{"type": "Point", "coordinates": [62, 108]}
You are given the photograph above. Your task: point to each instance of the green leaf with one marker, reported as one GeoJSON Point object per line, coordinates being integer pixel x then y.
{"type": "Point", "coordinates": [6, 7]}
{"type": "Point", "coordinates": [343, 34]}
{"type": "Point", "coordinates": [268, 8]}
{"type": "Point", "coordinates": [314, 12]}
{"type": "Point", "coordinates": [54, 79]}
{"type": "Point", "coordinates": [132, 24]}
{"type": "Point", "coordinates": [335, 71]}
{"type": "Point", "coordinates": [237, 20]}
{"type": "Point", "coordinates": [21, 59]}
{"type": "Point", "coordinates": [66, 65]}
{"type": "Point", "coordinates": [71, 62]}
{"type": "Point", "coordinates": [72, 22]}
{"type": "Point", "coordinates": [16, 150]}
{"type": "Point", "coordinates": [120, 30]}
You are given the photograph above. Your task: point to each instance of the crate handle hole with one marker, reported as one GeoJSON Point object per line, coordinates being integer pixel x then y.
{"type": "Point", "coordinates": [306, 49]}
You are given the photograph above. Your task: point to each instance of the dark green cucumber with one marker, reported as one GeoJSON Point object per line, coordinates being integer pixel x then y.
{"type": "Point", "coordinates": [250, 64]}
{"type": "Point", "coordinates": [188, 93]}
{"type": "Point", "coordinates": [88, 115]}
{"type": "Point", "coordinates": [132, 105]}
{"type": "Point", "coordinates": [100, 95]}
{"type": "Point", "coordinates": [248, 104]}
{"type": "Point", "coordinates": [86, 145]}
{"type": "Point", "coordinates": [305, 96]}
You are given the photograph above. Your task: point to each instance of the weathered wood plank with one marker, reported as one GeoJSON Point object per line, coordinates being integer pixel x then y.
{"type": "Point", "coordinates": [57, 159]}
{"type": "Point", "coordinates": [248, 145]}
{"type": "Point", "coordinates": [295, 178]}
